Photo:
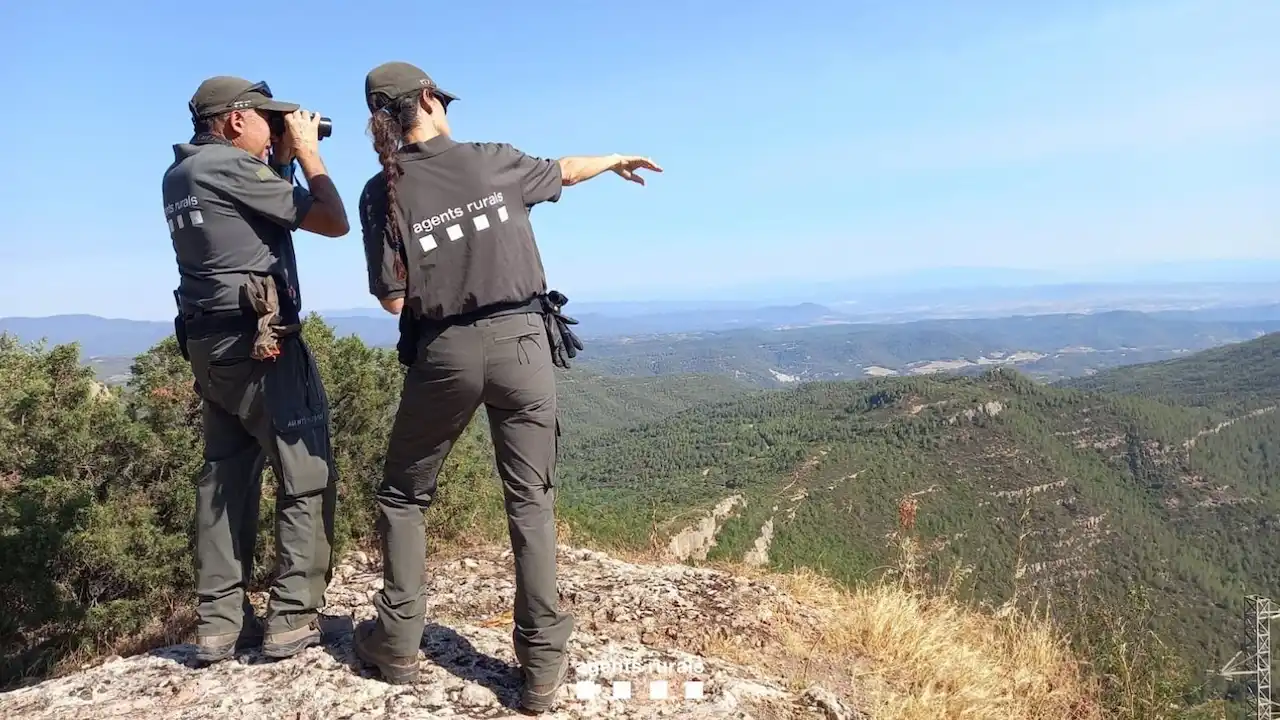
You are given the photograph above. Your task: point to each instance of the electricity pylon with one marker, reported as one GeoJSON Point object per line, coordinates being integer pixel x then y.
{"type": "Point", "coordinates": [1255, 660]}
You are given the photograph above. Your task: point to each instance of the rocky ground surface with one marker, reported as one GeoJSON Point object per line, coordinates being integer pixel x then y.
{"type": "Point", "coordinates": [639, 650]}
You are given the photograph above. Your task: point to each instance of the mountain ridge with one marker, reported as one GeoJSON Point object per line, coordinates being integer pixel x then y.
{"type": "Point", "coordinates": [1043, 491]}
{"type": "Point", "coordinates": [1235, 376]}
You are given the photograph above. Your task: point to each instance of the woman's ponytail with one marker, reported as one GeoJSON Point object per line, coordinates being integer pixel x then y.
{"type": "Point", "coordinates": [388, 127]}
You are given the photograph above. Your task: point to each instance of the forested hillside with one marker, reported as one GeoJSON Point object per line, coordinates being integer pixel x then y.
{"type": "Point", "coordinates": [1043, 492]}
{"type": "Point", "coordinates": [590, 403]}
{"type": "Point", "coordinates": [1245, 375]}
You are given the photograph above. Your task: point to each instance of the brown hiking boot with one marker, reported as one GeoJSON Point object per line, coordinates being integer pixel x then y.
{"type": "Point", "coordinates": [540, 698]}
{"type": "Point", "coordinates": [216, 648]}
{"type": "Point", "coordinates": [371, 649]}
{"type": "Point", "coordinates": [279, 645]}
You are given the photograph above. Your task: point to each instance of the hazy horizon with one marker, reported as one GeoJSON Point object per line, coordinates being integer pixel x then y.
{"type": "Point", "coordinates": [887, 288]}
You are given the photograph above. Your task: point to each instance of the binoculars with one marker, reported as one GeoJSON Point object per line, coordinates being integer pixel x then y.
{"type": "Point", "coordinates": [277, 126]}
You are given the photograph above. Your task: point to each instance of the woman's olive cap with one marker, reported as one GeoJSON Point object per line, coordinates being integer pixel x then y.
{"type": "Point", "coordinates": [390, 80]}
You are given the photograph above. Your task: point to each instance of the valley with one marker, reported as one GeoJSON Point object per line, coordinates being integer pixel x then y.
{"type": "Point", "coordinates": [1045, 347]}
{"type": "Point", "coordinates": [1035, 493]}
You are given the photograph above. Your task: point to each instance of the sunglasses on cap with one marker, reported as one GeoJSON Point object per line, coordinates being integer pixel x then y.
{"type": "Point", "coordinates": [260, 87]}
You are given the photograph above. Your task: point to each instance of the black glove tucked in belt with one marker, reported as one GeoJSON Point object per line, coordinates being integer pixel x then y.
{"type": "Point", "coordinates": [564, 344]}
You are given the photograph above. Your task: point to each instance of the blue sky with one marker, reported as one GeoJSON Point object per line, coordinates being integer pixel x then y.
{"type": "Point", "coordinates": [802, 142]}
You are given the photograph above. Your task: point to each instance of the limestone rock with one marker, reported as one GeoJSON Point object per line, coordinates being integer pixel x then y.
{"type": "Point", "coordinates": [636, 652]}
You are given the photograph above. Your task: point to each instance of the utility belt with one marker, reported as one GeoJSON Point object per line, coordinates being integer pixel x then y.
{"type": "Point", "coordinates": [203, 324]}
{"type": "Point", "coordinates": [563, 342]}
{"type": "Point", "coordinates": [426, 325]}
{"type": "Point", "coordinates": [269, 320]}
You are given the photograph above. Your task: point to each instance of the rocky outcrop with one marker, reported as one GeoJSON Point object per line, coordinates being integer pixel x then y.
{"type": "Point", "coordinates": [759, 552]}
{"type": "Point", "coordinates": [1191, 442]}
{"type": "Point", "coordinates": [640, 650]}
{"type": "Point", "coordinates": [693, 543]}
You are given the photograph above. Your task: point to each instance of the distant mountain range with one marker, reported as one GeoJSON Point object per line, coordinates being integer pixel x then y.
{"type": "Point", "coordinates": [947, 279]}
{"type": "Point", "coordinates": [875, 302]}
{"type": "Point", "coordinates": [97, 336]}
{"type": "Point", "coordinates": [1047, 347]}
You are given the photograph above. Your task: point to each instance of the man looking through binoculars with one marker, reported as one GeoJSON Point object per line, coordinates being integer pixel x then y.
{"type": "Point", "coordinates": [231, 207]}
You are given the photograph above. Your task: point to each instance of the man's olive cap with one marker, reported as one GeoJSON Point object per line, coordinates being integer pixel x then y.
{"type": "Point", "coordinates": [390, 80]}
{"type": "Point", "coordinates": [225, 92]}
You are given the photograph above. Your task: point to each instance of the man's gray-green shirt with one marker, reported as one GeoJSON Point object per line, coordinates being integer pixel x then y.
{"type": "Point", "coordinates": [467, 239]}
{"type": "Point", "coordinates": [230, 216]}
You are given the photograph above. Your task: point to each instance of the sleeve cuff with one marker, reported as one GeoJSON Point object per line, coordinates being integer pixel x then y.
{"type": "Point", "coordinates": [388, 293]}
{"type": "Point", "coordinates": [558, 174]}
{"type": "Point", "coordinates": [302, 200]}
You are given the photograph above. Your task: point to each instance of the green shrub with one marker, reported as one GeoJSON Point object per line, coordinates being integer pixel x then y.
{"type": "Point", "coordinates": [97, 489]}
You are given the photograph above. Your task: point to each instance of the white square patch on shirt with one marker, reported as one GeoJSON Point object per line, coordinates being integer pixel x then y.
{"type": "Point", "coordinates": [428, 242]}
{"type": "Point", "coordinates": [482, 222]}
{"type": "Point", "coordinates": [454, 232]}
{"type": "Point", "coordinates": [502, 213]}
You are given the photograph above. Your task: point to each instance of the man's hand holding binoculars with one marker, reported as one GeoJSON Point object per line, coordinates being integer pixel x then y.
{"type": "Point", "coordinates": [299, 136]}
{"type": "Point", "coordinates": [296, 136]}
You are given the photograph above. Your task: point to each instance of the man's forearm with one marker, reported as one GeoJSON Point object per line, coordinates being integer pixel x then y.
{"type": "Point", "coordinates": [325, 194]}
{"type": "Point", "coordinates": [575, 169]}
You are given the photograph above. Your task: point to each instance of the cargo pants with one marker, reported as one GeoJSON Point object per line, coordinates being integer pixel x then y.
{"type": "Point", "coordinates": [256, 412]}
{"type": "Point", "coordinates": [505, 363]}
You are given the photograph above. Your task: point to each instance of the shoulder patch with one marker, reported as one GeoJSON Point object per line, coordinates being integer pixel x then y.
{"type": "Point", "coordinates": [265, 173]}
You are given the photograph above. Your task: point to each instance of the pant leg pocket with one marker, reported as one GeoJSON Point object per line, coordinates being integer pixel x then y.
{"type": "Point", "coordinates": [555, 456]}
{"type": "Point", "coordinates": [299, 411]}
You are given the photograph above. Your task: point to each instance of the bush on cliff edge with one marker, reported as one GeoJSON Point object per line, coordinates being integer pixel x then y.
{"type": "Point", "coordinates": [97, 489]}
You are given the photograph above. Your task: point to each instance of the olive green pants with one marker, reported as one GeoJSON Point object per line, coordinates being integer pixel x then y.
{"type": "Point", "coordinates": [257, 412]}
{"type": "Point", "coordinates": [503, 362]}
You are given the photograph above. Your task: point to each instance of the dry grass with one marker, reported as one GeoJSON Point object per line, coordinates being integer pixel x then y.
{"type": "Point", "coordinates": [902, 653]}
{"type": "Point", "coordinates": [930, 657]}
{"type": "Point", "coordinates": [905, 649]}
